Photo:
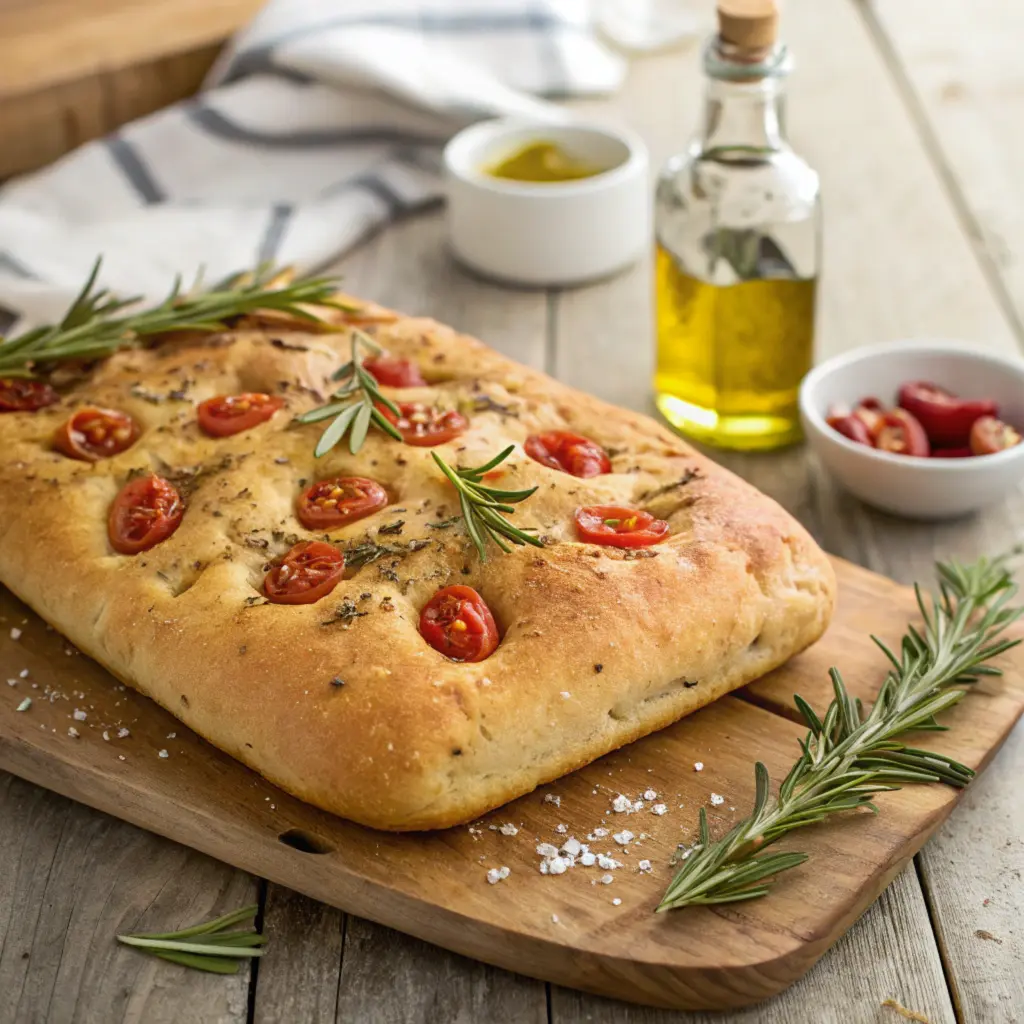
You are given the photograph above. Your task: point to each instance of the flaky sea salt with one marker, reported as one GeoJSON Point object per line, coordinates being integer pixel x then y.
{"type": "Point", "coordinates": [607, 863]}
{"type": "Point", "coordinates": [496, 875]}
{"type": "Point", "coordinates": [698, 766]}
{"type": "Point", "coordinates": [623, 838]}
{"type": "Point", "coordinates": [607, 879]}
{"type": "Point", "coordinates": [547, 850]}
{"type": "Point", "coordinates": [659, 809]}
{"type": "Point", "coordinates": [123, 732]}
{"type": "Point", "coordinates": [550, 798]}
{"type": "Point", "coordinates": [72, 732]}
{"type": "Point", "coordinates": [616, 901]}
{"type": "Point", "coordinates": [588, 860]}
{"type": "Point", "coordinates": [162, 753]}
{"type": "Point", "coordinates": [644, 867]}
{"type": "Point", "coordinates": [716, 800]}
{"type": "Point", "coordinates": [562, 829]}
{"type": "Point", "coordinates": [622, 804]}
{"type": "Point", "coordinates": [650, 794]}
{"type": "Point", "coordinates": [508, 829]}
{"type": "Point", "coordinates": [78, 715]}
{"type": "Point", "coordinates": [572, 847]}
{"type": "Point", "coordinates": [15, 633]}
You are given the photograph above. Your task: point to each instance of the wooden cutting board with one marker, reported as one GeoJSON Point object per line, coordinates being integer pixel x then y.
{"type": "Point", "coordinates": [572, 929]}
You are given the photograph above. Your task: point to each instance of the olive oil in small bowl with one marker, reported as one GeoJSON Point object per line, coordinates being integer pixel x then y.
{"type": "Point", "coordinates": [538, 205]}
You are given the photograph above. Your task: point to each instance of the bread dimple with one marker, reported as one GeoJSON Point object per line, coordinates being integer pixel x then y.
{"type": "Point", "coordinates": [341, 702]}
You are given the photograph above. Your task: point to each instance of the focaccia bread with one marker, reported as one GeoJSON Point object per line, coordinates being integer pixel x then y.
{"type": "Point", "coordinates": [341, 702]}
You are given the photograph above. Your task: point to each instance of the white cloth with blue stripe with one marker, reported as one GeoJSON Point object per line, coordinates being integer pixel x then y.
{"type": "Point", "coordinates": [321, 121]}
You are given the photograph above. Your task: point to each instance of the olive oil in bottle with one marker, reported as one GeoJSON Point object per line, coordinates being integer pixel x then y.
{"type": "Point", "coordinates": [737, 226]}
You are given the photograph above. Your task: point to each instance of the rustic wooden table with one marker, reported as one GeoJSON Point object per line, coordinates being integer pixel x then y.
{"type": "Point", "coordinates": [912, 110]}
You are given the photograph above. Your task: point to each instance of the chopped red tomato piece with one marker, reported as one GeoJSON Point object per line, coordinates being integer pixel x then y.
{"type": "Point", "coordinates": [392, 372]}
{"type": "Point", "coordinates": [945, 418]}
{"type": "Point", "coordinates": [225, 415]}
{"type": "Point", "coordinates": [571, 453]}
{"type": "Point", "coordinates": [619, 527]}
{"type": "Point", "coordinates": [309, 571]}
{"type": "Point", "coordinates": [989, 435]}
{"type": "Point", "coordinates": [457, 622]}
{"type": "Point", "coordinates": [852, 427]}
{"type": "Point", "coordinates": [19, 395]}
{"type": "Point", "coordinates": [147, 510]}
{"type": "Point", "coordinates": [899, 433]}
{"type": "Point", "coordinates": [92, 434]}
{"type": "Point", "coordinates": [339, 501]}
{"type": "Point", "coordinates": [423, 425]}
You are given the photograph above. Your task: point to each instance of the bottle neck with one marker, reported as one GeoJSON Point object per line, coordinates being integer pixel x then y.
{"type": "Point", "coordinates": [744, 115]}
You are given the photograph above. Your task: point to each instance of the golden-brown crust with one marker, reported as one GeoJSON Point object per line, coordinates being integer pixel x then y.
{"type": "Point", "coordinates": [599, 646]}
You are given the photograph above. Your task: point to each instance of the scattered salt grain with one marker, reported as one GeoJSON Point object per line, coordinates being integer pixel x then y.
{"type": "Point", "coordinates": [554, 919]}
{"type": "Point", "coordinates": [23, 674]}
{"type": "Point", "coordinates": [607, 879]}
{"type": "Point", "coordinates": [616, 902]}
{"type": "Point", "coordinates": [72, 732]}
{"type": "Point", "coordinates": [565, 694]}
{"type": "Point", "coordinates": [78, 715]}
{"type": "Point", "coordinates": [623, 838]}
{"type": "Point", "coordinates": [659, 809]}
{"type": "Point", "coordinates": [106, 735]}
{"type": "Point", "coordinates": [649, 794]}
{"type": "Point", "coordinates": [547, 850]}
{"type": "Point", "coordinates": [588, 860]}
{"type": "Point", "coordinates": [572, 847]}
{"type": "Point", "coordinates": [644, 867]}
{"type": "Point", "coordinates": [698, 766]}
{"type": "Point", "coordinates": [123, 732]}
{"type": "Point", "coordinates": [172, 735]}
{"type": "Point", "coordinates": [508, 829]}
{"type": "Point", "coordinates": [12, 682]}
{"type": "Point", "coordinates": [556, 866]}
{"type": "Point", "coordinates": [606, 863]}
{"type": "Point", "coordinates": [495, 875]}
{"type": "Point", "coordinates": [622, 804]}
{"type": "Point", "coordinates": [25, 704]}
{"type": "Point", "coordinates": [598, 833]}
{"type": "Point", "coordinates": [121, 757]}
{"type": "Point", "coordinates": [162, 753]}
{"type": "Point", "coordinates": [15, 633]}
{"type": "Point", "coordinates": [550, 798]}
{"type": "Point", "coordinates": [716, 800]}
{"type": "Point", "coordinates": [562, 829]}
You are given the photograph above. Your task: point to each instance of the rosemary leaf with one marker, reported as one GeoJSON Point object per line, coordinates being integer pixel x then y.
{"type": "Point", "coordinates": [97, 324]}
{"type": "Point", "coordinates": [484, 508]}
{"type": "Point", "coordinates": [847, 756]}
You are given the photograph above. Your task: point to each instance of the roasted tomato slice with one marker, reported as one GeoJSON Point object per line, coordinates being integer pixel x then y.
{"type": "Point", "coordinates": [423, 425]}
{"type": "Point", "coordinates": [457, 622]}
{"type": "Point", "coordinates": [92, 434]}
{"type": "Point", "coordinates": [392, 372]}
{"type": "Point", "coordinates": [852, 427]}
{"type": "Point", "coordinates": [899, 432]}
{"type": "Point", "coordinates": [309, 571]}
{"type": "Point", "coordinates": [571, 453]}
{"type": "Point", "coordinates": [18, 395]}
{"type": "Point", "coordinates": [619, 527]}
{"type": "Point", "coordinates": [989, 435]}
{"type": "Point", "coordinates": [147, 510]}
{"type": "Point", "coordinates": [339, 501]}
{"type": "Point", "coordinates": [946, 419]}
{"type": "Point", "coordinates": [225, 415]}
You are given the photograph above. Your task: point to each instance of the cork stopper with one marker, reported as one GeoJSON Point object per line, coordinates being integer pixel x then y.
{"type": "Point", "coordinates": [748, 28]}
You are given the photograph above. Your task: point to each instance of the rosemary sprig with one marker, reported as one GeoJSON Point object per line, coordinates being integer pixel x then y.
{"type": "Point", "coordinates": [205, 947]}
{"type": "Point", "coordinates": [98, 324]}
{"type": "Point", "coordinates": [355, 404]}
{"type": "Point", "coordinates": [847, 757]}
{"type": "Point", "coordinates": [482, 506]}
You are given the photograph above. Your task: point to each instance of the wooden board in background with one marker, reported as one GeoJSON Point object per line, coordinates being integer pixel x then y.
{"type": "Point", "coordinates": [566, 929]}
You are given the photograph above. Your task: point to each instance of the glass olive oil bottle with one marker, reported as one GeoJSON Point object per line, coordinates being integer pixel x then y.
{"type": "Point", "coordinates": [737, 230]}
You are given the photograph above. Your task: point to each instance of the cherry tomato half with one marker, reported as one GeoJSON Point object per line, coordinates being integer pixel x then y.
{"type": "Point", "coordinates": [309, 571]}
{"type": "Point", "coordinates": [339, 501]}
{"type": "Point", "coordinates": [423, 425]}
{"type": "Point", "coordinates": [571, 453]}
{"type": "Point", "coordinates": [19, 395]}
{"type": "Point", "coordinates": [869, 415]}
{"type": "Point", "coordinates": [392, 372]}
{"type": "Point", "coordinates": [946, 419]}
{"type": "Point", "coordinates": [619, 527]}
{"type": "Point", "coordinates": [989, 435]}
{"type": "Point", "coordinates": [225, 415]}
{"type": "Point", "coordinates": [870, 402]}
{"type": "Point", "coordinates": [852, 427]}
{"type": "Point", "coordinates": [92, 434]}
{"type": "Point", "coordinates": [963, 452]}
{"type": "Point", "coordinates": [899, 432]}
{"type": "Point", "coordinates": [457, 622]}
{"type": "Point", "coordinates": [147, 510]}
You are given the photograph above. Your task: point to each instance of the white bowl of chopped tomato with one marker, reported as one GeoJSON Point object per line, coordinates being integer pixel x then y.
{"type": "Point", "coordinates": [922, 429]}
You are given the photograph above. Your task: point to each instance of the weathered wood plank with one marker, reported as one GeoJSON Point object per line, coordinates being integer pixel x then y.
{"type": "Point", "coordinates": [70, 880]}
{"type": "Point", "coordinates": [847, 986]}
{"type": "Point", "coordinates": [959, 65]}
{"type": "Point", "coordinates": [390, 978]}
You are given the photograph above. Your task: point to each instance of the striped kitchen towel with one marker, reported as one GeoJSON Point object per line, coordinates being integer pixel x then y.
{"type": "Point", "coordinates": [320, 122]}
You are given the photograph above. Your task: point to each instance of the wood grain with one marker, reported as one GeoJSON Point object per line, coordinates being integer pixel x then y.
{"type": "Point", "coordinates": [434, 887]}
{"type": "Point", "coordinates": [70, 880]}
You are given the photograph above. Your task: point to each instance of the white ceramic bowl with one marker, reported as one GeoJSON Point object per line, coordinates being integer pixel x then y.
{"type": "Point", "coordinates": [547, 233]}
{"type": "Point", "coordinates": [905, 485]}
